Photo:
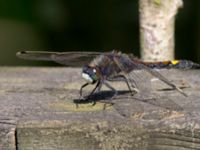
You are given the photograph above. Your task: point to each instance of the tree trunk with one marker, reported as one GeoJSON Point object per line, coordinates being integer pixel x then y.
{"type": "Point", "coordinates": [157, 18]}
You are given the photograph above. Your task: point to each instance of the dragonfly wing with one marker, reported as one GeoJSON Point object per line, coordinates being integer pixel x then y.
{"type": "Point", "coordinates": [160, 77]}
{"type": "Point", "coordinates": [73, 59]}
{"type": "Point", "coordinates": [138, 78]}
{"type": "Point", "coordinates": [35, 55]}
{"type": "Point", "coordinates": [142, 78]}
{"type": "Point", "coordinates": [161, 101]}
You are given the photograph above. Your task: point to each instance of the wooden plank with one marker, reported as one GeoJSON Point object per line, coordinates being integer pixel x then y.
{"type": "Point", "coordinates": [38, 112]}
{"type": "Point", "coordinates": [7, 137]}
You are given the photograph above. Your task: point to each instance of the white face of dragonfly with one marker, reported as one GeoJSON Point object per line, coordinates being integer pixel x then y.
{"type": "Point", "coordinates": [89, 74]}
{"type": "Point", "coordinates": [87, 78]}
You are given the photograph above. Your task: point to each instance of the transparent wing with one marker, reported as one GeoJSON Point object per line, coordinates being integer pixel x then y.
{"type": "Point", "coordinates": [73, 59]}
{"type": "Point", "coordinates": [138, 77]}
{"type": "Point", "coordinates": [157, 75]}
{"type": "Point", "coordinates": [142, 78]}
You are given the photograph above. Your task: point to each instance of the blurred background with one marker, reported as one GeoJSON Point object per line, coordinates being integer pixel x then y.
{"type": "Point", "coordinates": [85, 25]}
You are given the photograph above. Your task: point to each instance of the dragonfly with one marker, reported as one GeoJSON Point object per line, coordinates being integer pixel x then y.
{"type": "Point", "coordinates": [101, 67]}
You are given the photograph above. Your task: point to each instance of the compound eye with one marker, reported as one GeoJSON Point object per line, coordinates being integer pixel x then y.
{"type": "Point", "coordinates": [94, 70]}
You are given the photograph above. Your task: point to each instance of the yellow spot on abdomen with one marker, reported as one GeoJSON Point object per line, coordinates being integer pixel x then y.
{"type": "Point", "coordinates": [174, 62]}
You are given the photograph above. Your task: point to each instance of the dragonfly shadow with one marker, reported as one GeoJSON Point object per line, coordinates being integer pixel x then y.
{"type": "Point", "coordinates": [102, 96]}
{"type": "Point", "coordinates": [107, 98]}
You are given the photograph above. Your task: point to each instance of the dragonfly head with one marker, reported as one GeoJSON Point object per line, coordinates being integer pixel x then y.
{"type": "Point", "coordinates": [90, 74]}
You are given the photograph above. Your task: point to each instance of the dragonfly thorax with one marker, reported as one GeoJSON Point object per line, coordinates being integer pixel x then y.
{"type": "Point", "coordinates": [90, 74]}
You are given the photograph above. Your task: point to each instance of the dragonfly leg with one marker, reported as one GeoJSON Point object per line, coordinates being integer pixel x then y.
{"type": "Point", "coordinates": [115, 94]}
{"type": "Point", "coordinates": [97, 88]}
{"type": "Point", "coordinates": [123, 70]}
{"type": "Point", "coordinates": [84, 85]}
{"type": "Point", "coordinates": [80, 92]}
{"type": "Point", "coordinates": [123, 78]}
{"type": "Point", "coordinates": [81, 89]}
{"type": "Point", "coordinates": [113, 89]}
{"type": "Point", "coordinates": [129, 87]}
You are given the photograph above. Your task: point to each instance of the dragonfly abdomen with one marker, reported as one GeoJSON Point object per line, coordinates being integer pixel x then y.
{"type": "Point", "coordinates": [175, 64]}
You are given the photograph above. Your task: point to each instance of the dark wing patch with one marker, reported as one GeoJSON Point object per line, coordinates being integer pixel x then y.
{"type": "Point", "coordinates": [73, 59]}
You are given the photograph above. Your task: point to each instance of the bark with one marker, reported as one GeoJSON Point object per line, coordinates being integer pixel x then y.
{"type": "Point", "coordinates": [157, 19]}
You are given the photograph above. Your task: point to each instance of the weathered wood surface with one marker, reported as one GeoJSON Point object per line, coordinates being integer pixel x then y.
{"type": "Point", "coordinates": [37, 112]}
